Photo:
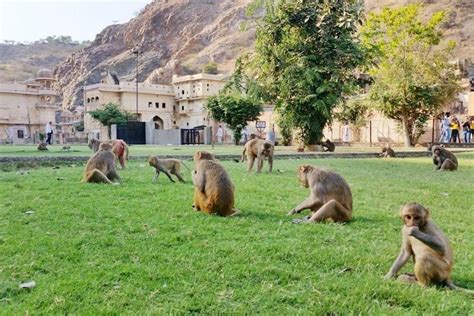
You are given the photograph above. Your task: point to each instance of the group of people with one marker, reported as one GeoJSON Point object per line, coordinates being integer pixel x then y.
{"type": "Point", "coordinates": [451, 129]}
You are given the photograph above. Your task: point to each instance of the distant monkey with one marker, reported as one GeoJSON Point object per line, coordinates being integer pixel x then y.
{"type": "Point", "coordinates": [165, 165]}
{"type": "Point", "coordinates": [213, 190]}
{"type": "Point", "coordinates": [430, 249]}
{"type": "Point", "coordinates": [330, 196]}
{"type": "Point", "coordinates": [100, 167]}
{"type": "Point", "coordinates": [328, 146]}
{"type": "Point", "coordinates": [444, 159]}
{"type": "Point", "coordinates": [66, 148]}
{"type": "Point", "coordinates": [42, 146]}
{"type": "Point", "coordinates": [387, 152]}
{"type": "Point", "coordinates": [119, 148]}
{"type": "Point", "coordinates": [258, 149]}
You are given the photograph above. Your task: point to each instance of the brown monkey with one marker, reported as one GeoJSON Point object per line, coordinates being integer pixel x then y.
{"type": "Point", "coordinates": [42, 146]}
{"type": "Point", "coordinates": [330, 197]}
{"type": "Point", "coordinates": [119, 148]}
{"type": "Point", "coordinates": [444, 159]}
{"type": "Point", "coordinates": [258, 148]}
{"type": "Point", "coordinates": [387, 152]}
{"type": "Point", "coordinates": [165, 165]}
{"type": "Point", "coordinates": [100, 167]}
{"type": "Point", "coordinates": [213, 190]}
{"type": "Point", "coordinates": [430, 249]}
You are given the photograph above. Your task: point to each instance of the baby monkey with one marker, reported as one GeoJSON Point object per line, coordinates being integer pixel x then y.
{"type": "Point", "coordinates": [165, 165]}
{"type": "Point", "coordinates": [430, 249]}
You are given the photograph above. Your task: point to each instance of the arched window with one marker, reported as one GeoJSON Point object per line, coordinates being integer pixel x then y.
{"type": "Point", "coordinates": [158, 122]}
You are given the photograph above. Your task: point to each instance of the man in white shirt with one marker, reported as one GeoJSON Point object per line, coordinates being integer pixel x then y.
{"type": "Point", "coordinates": [49, 132]}
{"type": "Point", "coordinates": [220, 134]}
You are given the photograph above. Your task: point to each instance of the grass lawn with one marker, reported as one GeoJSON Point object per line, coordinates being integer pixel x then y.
{"type": "Point", "coordinates": [139, 248]}
{"type": "Point", "coordinates": [144, 150]}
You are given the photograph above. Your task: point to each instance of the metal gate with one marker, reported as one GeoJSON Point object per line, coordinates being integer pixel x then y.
{"type": "Point", "coordinates": [132, 132]}
{"type": "Point", "coordinates": [192, 136]}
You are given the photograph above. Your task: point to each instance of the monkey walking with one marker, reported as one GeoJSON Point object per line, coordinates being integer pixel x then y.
{"type": "Point", "coordinates": [387, 152]}
{"type": "Point", "coordinates": [330, 196]}
{"type": "Point", "coordinates": [429, 247]}
{"type": "Point", "coordinates": [100, 168]}
{"type": "Point", "coordinates": [165, 165]}
{"type": "Point", "coordinates": [213, 190]}
{"type": "Point", "coordinates": [444, 159]}
{"type": "Point", "coordinates": [258, 149]}
{"type": "Point", "coordinates": [119, 148]}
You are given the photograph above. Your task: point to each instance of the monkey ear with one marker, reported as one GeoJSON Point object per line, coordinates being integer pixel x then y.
{"type": "Point", "coordinates": [304, 168]}
{"type": "Point", "coordinates": [199, 154]}
{"type": "Point", "coordinates": [427, 212]}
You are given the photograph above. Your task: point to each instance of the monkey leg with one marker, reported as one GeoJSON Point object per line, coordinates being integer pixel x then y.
{"type": "Point", "coordinates": [157, 174]}
{"type": "Point", "coordinates": [121, 159]}
{"type": "Point", "coordinates": [250, 162]}
{"type": "Point", "coordinates": [331, 210]}
{"type": "Point", "coordinates": [407, 278]}
{"type": "Point", "coordinates": [270, 163]}
{"type": "Point", "coordinates": [167, 174]}
{"type": "Point", "coordinates": [448, 164]}
{"type": "Point", "coordinates": [96, 176]}
{"type": "Point", "coordinates": [429, 269]}
{"type": "Point", "coordinates": [113, 176]}
{"type": "Point", "coordinates": [178, 175]}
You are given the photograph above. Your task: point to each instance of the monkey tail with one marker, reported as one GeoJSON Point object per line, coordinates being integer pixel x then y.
{"type": "Point", "coordinates": [453, 286]}
{"type": "Point", "coordinates": [182, 162]}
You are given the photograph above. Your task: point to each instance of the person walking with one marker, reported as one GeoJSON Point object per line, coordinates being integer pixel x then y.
{"type": "Point", "coordinates": [455, 130]}
{"type": "Point", "coordinates": [49, 132]}
{"type": "Point", "coordinates": [345, 134]}
{"type": "Point", "coordinates": [466, 130]}
{"type": "Point", "coordinates": [220, 134]}
{"type": "Point", "coordinates": [445, 129]}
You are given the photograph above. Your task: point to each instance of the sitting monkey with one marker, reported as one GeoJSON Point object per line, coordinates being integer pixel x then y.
{"type": "Point", "coordinates": [429, 247]}
{"type": "Point", "coordinates": [330, 197]}
{"type": "Point", "coordinates": [165, 165]}
{"type": "Point", "coordinates": [444, 159]}
{"type": "Point", "coordinates": [258, 149]}
{"type": "Point", "coordinates": [42, 146]}
{"type": "Point", "coordinates": [213, 190]}
{"type": "Point", "coordinates": [100, 167]}
{"type": "Point", "coordinates": [387, 152]}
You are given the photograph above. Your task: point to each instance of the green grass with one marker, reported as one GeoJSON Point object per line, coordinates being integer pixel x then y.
{"type": "Point", "coordinates": [139, 248]}
{"type": "Point", "coordinates": [143, 150]}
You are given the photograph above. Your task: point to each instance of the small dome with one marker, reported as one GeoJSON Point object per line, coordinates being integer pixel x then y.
{"type": "Point", "coordinates": [45, 73]}
{"type": "Point", "coordinates": [66, 113]}
{"type": "Point", "coordinates": [79, 109]}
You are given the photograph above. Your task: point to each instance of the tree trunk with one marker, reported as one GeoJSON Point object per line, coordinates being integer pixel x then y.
{"type": "Point", "coordinates": [406, 132]}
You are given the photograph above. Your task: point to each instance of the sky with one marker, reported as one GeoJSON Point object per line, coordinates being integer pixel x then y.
{"type": "Point", "coordinates": [31, 20]}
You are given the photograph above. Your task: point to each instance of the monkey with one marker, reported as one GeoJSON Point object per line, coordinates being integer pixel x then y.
{"type": "Point", "coordinates": [119, 148]}
{"type": "Point", "coordinates": [258, 148]}
{"type": "Point", "coordinates": [444, 159]}
{"type": "Point", "coordinates": [387, 152]}
{"type": "Point", "coordinates": [330, 197]}
{"type": "Point", "coordinates": [100, 168]}
{"type": "Point", "coordinates": [213, 189]}
{"type": "Point", "coordinates": [42, 146]}
{"type": "Point", "coordinates": [66, 148]}
{"type": "Point", "coordinates": [328, 146]}
{"type": "Point", "coordinates": [429, 247]}
{"type": "Point", "coordinates": [165, 165]}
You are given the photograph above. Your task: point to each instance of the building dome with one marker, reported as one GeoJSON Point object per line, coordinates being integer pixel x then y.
{"type": "Point", "coordinates": [45, 73]}
{"type": "Point", "coordinates": [66, 113]}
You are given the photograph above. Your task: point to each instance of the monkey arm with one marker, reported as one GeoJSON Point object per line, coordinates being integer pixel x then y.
{"type": "Point", "coordinates": [431, 241]}
{"type": "Point", "coordinates": [199, 180]}
{"type": "Point", "coordinates": [403, 257]}
{"type": "Point", "coordinates": [307, 203]}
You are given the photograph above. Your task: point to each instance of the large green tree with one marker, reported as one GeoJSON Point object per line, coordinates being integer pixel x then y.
{"type": "Point", "coordinates": [305, 54]}
{"type": "Point", "coordinates": [412, 76]}
{"type": "Point", "coordinates": [235, 110]}
{"type": "Point", "coordinates": [109, 114]}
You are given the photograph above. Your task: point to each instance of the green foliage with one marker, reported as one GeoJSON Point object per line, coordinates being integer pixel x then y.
{"type": "Point", "coordinates": [110, 114]}
{"type": "Point", "coordinates": [139, 248]}
{"type": "Point", "coordinates": [412, 76]}
{"type": "Point", "coordinates": [356, 111]}
{"type": "Point", "coordinates": [305, 54]}
{"type": "Point", "coordinates": [286, 130]}
{"type": "Point", "coordinates": [210, 68]}
{"type": "Point", "coordinates": [234, 110]}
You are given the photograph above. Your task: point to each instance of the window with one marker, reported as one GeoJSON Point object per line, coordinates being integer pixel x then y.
{"type": "Point", "coordinates": [174, 108]}
{"type": "Point", "coordinates": [88, 100]}
{"type": "Point", "coordinates": [187, 123]}
{"type": "Point", "coordinates": [182, 107]}
{"type": "Point", "coordinates": [163, 105]}
{"type": "Point", "coordinates": [157, 105]}
{"type": "Point", "coordinates": [149, 104]}
{"type": "Point", "coordinates": [182, 91]}
{"type": "Point", "coordinates": [208, 85]}
{"type": "Point", "coordinates": [20, 133]}
{"type": "Point", "coordinates": [96, 99]}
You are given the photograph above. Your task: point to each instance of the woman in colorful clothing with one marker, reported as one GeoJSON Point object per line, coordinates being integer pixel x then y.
{"type": "Point", "coordinates": [455, 130]}
{"type": "Point", "coordinates": [466, 130]}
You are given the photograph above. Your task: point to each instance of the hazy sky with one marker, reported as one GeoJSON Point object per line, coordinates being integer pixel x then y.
{"type": "Point", "coordinates": [31, 20]}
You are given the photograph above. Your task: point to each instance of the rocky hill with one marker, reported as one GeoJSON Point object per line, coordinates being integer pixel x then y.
{"type": "Point", "coordinates": [180, 36]}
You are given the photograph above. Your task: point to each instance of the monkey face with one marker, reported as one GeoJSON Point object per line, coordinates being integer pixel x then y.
{"type": "Point", "coordinates": [414, 215]}
{"type": "Point", "coordinates": [152, 161]}
{"type": "Point", "coordinates": [303, 176]}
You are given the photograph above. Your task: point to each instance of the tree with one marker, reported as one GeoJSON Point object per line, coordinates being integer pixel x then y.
{"type": "Point", "coordinates": [110, 114]}
{"type": "Point", "coordinates": [210, 68]}
{"type": "Point", "coordinates": [412, 76]}
{"type": "Point", "coordinates": [235, 110]}
{"type": "Point", "coordinates": [355, 111]}
{"type": "Point", "coordinates": [305, 55]}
